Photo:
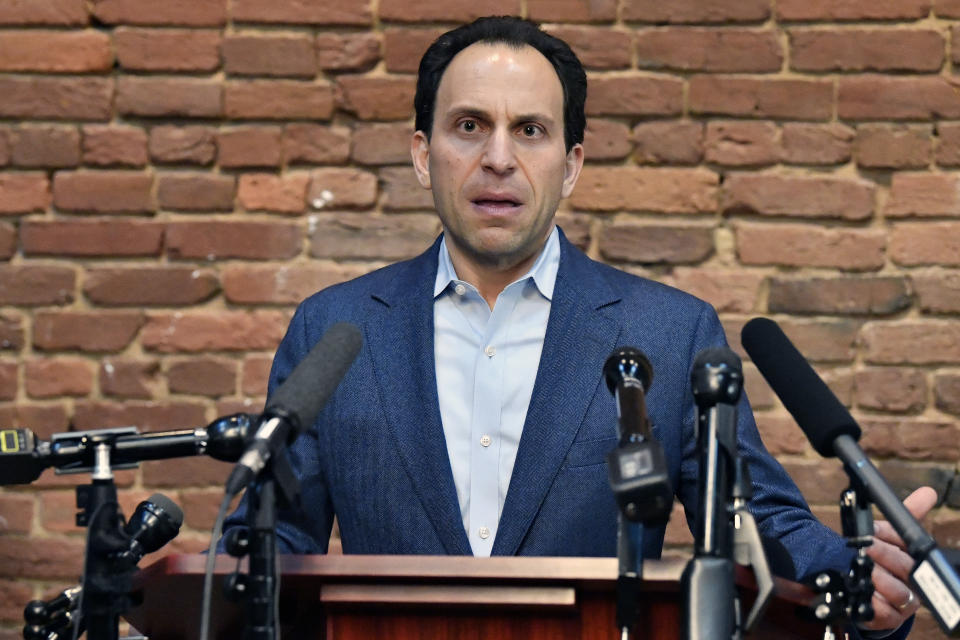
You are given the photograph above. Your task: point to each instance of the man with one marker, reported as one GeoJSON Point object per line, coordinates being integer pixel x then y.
{"type": "Point", "coordinates": [475, 419]}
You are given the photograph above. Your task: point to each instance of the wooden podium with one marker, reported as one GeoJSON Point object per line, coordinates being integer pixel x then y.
{"type": "Point", "coordinates": [341, 597]}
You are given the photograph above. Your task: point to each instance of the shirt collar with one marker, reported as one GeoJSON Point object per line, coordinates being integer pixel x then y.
{"type": "Point", "coordinates": [543, 272]}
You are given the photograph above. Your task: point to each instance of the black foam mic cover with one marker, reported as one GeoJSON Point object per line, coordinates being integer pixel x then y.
{"type": "Point", "coordinates": [805, 395]}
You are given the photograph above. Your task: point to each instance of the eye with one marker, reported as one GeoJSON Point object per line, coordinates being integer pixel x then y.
{"type": "Point", "coordinates": [531, 130]}
{"type": "Point", "coordinates": [468, 126]}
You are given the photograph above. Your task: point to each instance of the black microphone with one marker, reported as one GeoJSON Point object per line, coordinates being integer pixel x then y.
{"type": "Point", "coordinates": [628, 374]}
{"type": "Point", "coordinates": [296, 403]}
{"type": "Point", "coordinates": [24, 456]}
{"type": "Point", "coordinates": [833, 432]}
{"type": "Point", "coordinates": [155, 522]}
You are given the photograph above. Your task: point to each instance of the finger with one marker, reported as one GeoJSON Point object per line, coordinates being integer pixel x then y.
{"type": "Point", "coordinates": [919, 503]}
{"type": "Point", "coordinates": [891, 558]}
{"type": "Point", "coordinates": [892, 601]}
{"type": "Point", "coordinates": [885, 615]}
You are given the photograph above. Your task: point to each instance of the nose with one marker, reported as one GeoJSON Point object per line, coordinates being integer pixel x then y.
{"type": "Point", "coordinates": [498, 153]}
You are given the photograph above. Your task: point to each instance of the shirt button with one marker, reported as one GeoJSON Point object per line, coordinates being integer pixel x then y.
{"type": "Point", "coordinates": [485, 440]}
{"type": "Point", "coordinates": [460, 289]}
{"type": "Point", "coordinates": [484, 532]}
{"type": "Point", "coordinates": [490, 350]}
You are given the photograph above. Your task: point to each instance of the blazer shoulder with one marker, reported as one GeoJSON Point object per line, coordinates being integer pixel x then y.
{"type": "Point", "coordinates": [635, 290]}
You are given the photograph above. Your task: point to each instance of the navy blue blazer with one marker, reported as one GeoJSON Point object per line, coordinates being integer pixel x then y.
{"type": "Point", "coordinates": [376, 456]}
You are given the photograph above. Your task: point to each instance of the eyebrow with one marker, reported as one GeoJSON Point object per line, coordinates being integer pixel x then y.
{"type": "Point", "coordinates": [483, 115]}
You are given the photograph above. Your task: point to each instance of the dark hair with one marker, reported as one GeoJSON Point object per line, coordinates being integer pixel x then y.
{"type": "Point", "coordinates": [515, 32]}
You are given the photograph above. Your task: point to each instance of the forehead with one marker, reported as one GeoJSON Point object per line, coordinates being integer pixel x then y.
{"type": "Point", "coordinates": [497, 75]}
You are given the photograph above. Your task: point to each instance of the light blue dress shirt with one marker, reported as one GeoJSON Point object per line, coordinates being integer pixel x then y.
{"type": "Point", "coordinates": [486, 364]}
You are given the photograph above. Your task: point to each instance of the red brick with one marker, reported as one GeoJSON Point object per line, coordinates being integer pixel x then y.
{"type": "Point", "coordinates": [737, 143]}
{"type": "Point", "coordinates": [402, 191]}
{"type": "Point", "coordinates": [249, 147]}
{"type": "Point", "coordinates": [11, 331]}
{"type": "Point", "coordinates": [286, 193]}
{"type": "Point", "coordinates": [947, 8]}
{"type": "Point", "coordinates": [806, 143]}
{"type": "Point", "coordinates": [351, 236]}
{"type": "Point", "coordinates": [347, 51]}
{"type": "Point", "coordinates": [711, 49]}
{"type": "Point", "coordinates": [167, 49]}
{"type": "Point", "coordinates": [852, 9]}
{"type": "Point", "coordinates": [937, 291]}
{"type": "Point", "coordinates": [206, 377]}
{"type": "Point", "coordinates": [43, 558]}
{"type": "Point", "coordinates": [16, 515]}
{"type": "Point", "coordinates": [658, 244]}
{"type": "Point", "coordinates": [214, 331]}
{"type": "Point", "coordinates": [58, 511]}
{"type": "Point", "coordinates": [767, 98]}
{"type": "Point", "coordinates": [905, 476]}
{"type": "Point", "coordinates": [668, 142]}
{"type": "Point", "coordinates": [276, 54]}
{"type": "Point", "coordinates": [911, 439]}
{"type": "Point", "coordinates": [780, 434]}
{"type": "Point", "coordinates": [278, 99]}
{"type": "Point", "coordinates": [726, 290]}
{"type": "Point", "coordinates": [230, 406]}
{"type": "Point", "coordinates": [209, 13]}
{"type": "Point", "coordinates": [891, 389]}
{"type": "Point", "coordinates": [23, 192]}
{"type": "Point", "coordinates": [576, 227]}
{"type": "Point", "coordinates": [104, 191]}
{"type": "Point", "coordinates": [925, 243]}
{"type": "Point", "coordinates": [4, 146]}
{"type": "Point", "coordinates": [693, 11]}
{"type": "Point", "coordinates": [403, 48]}
{"type": "Point", "coordinates": [378, 98]}
{"type": "Point", "coordinates": [605, 140]}
{"type": "Point", "coordinates": [810, 246]}
{"type": "Point", "coordinates": [948, 143]}
{"type": "Point", "coordinates": [449, 11]}
{"type": "Point", "coordinates": [946, 391]}
{"type": "Point", "coordinates": [866, 50]}
{"type": "Point", "coordinates": [381, 143]}
{"type": "Point", "coordinates": [84, 331]}
{"type": "Point", "coordinates": [126, 378]}
{"type": "Point", "coordinates": [877, 97]}
{"type": "Point", "coordinates": [893, 146]}
{"type": "Point", "coordinates": [634, 96]}
{"type": "Point", "coordinates": [52, 377]}
{"type": "Point", "coordinates": [760, 394]}
{"type": "Point", "coordinates": [169, 97]}
{"type": "Point", "coordinates": [824, 340]}
{"type": "Point", "coordinates": [188, 472]}
{"type": "Point", "coordinates": [44, 419]}
{"type": "Point", "coordinates": [58, 12]}
{"type": "Point", "coordinates": [255, 374]}
{"type": "Point", "coordinates": [186, 145]}
{"type": "Point", "coordinates": [912, 342]}
{"type": "Point", "coordinates": [147, 416]}
{"type": "Point", "coordinates": [778, 195]}
{"type": "Point", "coordinates": [107, 145]}
{"type": "Point", "coordinates": [149, 286]}
{"type": "Point", "coordinates": [8, 241]}
{"type": "Point", "coordinates": [844, 295]}
{"type": "Point", "coordinates": [9, 382]}
{"type": "Point", "coordinates": [572, 10]}
{"type": "Point", "coordinates": [342, 188]}
{"type": "Point", "coordinates": [221, 239]}
{"type": "Point", "coordinates": [200, 507]}
{"type": "Point", "coordinates": [598, 47]}
{"type": "Point", "coordinates": [282, 284]}
{"type": "Point", "coordinates": [55, 51]}
{"type": "Point", "coordinates": [56, 98]}
{"type": "Point", "coordinates": [923, 194]}
{"type": "Point", "coordinates": [820, 481]}
{"type": "Point", "coordinates": [195, 191]}
{"type": "Point", "coordinates": [646, 189]}
{"type": "Point", "coordinates": [45, 146]}
{"type": "Point", "coordinates": [327, 12]}
{"type": "Point", "coordinates": [102, 237]}
{"type": "Point", "coordinates": [315, 144]}
{"type": "Point", "coordinates": [36, 285]}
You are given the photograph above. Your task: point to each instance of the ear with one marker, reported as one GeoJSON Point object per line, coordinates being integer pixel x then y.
{"type": "Point", "coordinates": [420, 151]}
{"type": "Point", "coordinates": [573, 165]}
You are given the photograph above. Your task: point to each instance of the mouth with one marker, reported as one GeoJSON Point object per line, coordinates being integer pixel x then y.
{"type": "Point", "coordinates": [496, 204]}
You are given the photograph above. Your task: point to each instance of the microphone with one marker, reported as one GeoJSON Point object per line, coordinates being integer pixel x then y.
{"type": "Point", "coordinates": [833, 432]}
{"type": "Point", "coordinates": [23, 456]}
{"type": "Point", "coordinates": [297, 402]}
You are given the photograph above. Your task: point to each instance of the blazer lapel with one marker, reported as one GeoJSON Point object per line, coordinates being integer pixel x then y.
{"type": "Point", "coordinates": [580, 329]}
{"type": "Point", "coordinates": [401, 342]}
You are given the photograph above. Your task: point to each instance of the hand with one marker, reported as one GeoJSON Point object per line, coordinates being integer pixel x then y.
{"type": "Point", "coordinates": [893, 601]}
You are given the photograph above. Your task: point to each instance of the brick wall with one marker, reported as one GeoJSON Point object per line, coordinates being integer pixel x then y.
{"type": "Point", "coordinates": [175, 176]}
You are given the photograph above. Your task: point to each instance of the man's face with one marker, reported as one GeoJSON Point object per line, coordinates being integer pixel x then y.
{"type": "Point", "coordinates": [496, 160]}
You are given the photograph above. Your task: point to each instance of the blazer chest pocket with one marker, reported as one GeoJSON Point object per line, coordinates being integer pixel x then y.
{"type": "Point", "coordinates": [586, 453]}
